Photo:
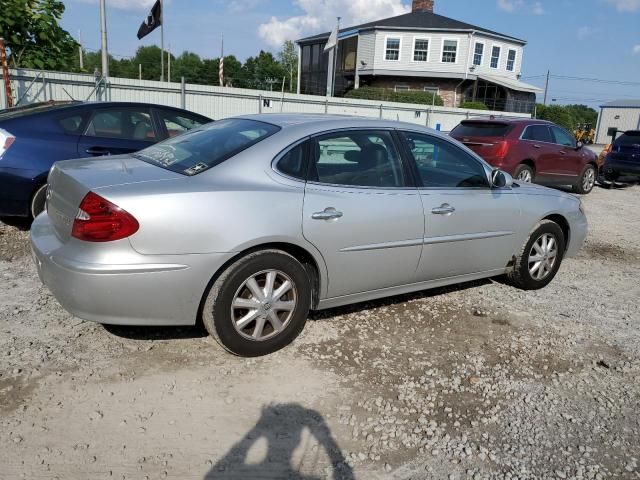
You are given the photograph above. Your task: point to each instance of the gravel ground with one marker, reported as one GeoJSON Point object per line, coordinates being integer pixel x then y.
{"type": "Point", "coordinates": [476, 381]}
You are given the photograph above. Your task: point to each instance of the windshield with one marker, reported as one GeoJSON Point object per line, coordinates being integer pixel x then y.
{"type": "Point", "coordinates": [203, 148]}
{"type": "Point", "coordinates": [481, 129]}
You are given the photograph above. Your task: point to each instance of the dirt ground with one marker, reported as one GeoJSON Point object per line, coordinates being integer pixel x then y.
{"type": "Point", "coordinates": [476, 381]}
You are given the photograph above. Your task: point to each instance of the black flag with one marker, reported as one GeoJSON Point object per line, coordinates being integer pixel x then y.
{"type": "Point", "coordinates": [153, 20]}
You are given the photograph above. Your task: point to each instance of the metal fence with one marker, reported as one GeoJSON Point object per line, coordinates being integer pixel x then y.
{"type": "Point", "coordinates": [31, 86]}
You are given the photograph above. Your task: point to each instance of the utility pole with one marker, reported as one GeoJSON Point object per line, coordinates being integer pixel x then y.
{"type": "Point", "coordinates": [546, 88]}
{"type": "Point", "coordinates": [80, 52]}
{"type": "Point", "coordinates": [169, 64]}
{"type": "Point", "coordinates": [103, 36]}
{"type": "Point", "coordinates": [161, 41]}
{"type": "Point", "coordinates": [140, 71]}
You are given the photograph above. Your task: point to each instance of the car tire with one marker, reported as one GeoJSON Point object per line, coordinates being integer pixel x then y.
{"type": "Point", "coordinates": [38, 201]}
{"type": "Point", "coordinates": [525, 275]}
{"type": "Point", "coordinates": [586, 180]}
{"type": "Point", "coordinates": [239, 308]}
{"type": "Point", "coordinates": [524, 173]}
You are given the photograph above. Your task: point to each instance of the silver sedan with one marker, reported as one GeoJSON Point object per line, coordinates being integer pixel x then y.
{"type": "Point", "coordinates": [248, 223]}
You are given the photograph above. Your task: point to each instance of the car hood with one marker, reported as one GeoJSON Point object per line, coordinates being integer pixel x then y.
{"type": "Point", "coordinates": [534, 189]}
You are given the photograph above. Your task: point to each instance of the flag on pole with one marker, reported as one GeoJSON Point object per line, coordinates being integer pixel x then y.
{"type": "Point", "coordinates": [333, 39]}
{"type": "Point", "coordinates": [221, 67]}
{"type": "Point", "coordinates": [153, 20]}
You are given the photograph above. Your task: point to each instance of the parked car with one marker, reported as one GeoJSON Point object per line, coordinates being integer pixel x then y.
{"type": "Point", "coordinates": [248, 223]}
{"type": "Point", "coordinates": [32, 138]}
{"type": "Point", "coordinates": [532, 151]}
{"type": "Point", "coordinates": [622, 162]}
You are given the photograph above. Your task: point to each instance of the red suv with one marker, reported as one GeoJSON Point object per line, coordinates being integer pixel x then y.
{"type": "Point", "coordinates": [531, 151]}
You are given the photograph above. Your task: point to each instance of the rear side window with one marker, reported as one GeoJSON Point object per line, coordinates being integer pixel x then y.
{"type": "Point", "coordinates": [628, 139]}
{"type": "Point", "coordinates": [200, 149]}
{"type": "Point", "coordinates": [294, 162]}
{"type": "Point", "coordinates": [71, 123]}
{"type": "Point", "coordinates": [481, 129]}
{"type": "Point", "coordinates": [538, 133]}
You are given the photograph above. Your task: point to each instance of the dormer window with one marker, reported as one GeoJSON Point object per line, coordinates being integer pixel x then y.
{"type": "Point", "coordinates": [449, 51]}
{"type": "Point", "coordinates": [495, 57]}
{"type": "Point", "coordinates": [392, 49]}
{"type": "Point", "coordinates": [511, 60]}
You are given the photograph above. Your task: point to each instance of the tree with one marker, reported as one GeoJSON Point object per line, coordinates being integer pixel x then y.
{"type": "Point", "coordinates": [149, 58]}
{"type": "Point", "coordinates": [189, 66]}
{"type": "Point", "coordinates": [556, 114]}
{"type": "Point", "coordinates": [289, 60]}
{"type": "Point", "coordinates": [263, 72]}
{"type": "Point", "coordinates": [33, 35]}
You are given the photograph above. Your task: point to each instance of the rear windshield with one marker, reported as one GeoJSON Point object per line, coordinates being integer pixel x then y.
{"type": "Point", "coordinates": [481, 129]}
{"type": "Point", "coordinates": [16, 112]}
{"type": "Point", "coordinates": [628, 139]}
{"type": "Point", "coordinates": [205, 147]}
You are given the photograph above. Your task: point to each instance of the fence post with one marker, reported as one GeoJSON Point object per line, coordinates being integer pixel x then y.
{"type": "Point", "coordinates": [44, 86]}
{"type": "Point", "coordinates": [380, 115]}
{"type": "Point", "coordinates": [183, 94]}
{"type": "Point", "coordinates": [326, 106]}
{"type": "Point", "coordinates": [428, 116]}
{"type": "Point", "coordinates": [260, 103]}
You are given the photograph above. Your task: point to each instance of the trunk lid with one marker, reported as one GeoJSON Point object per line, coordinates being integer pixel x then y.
{"type": "Point", "coordinates": [71, 180]}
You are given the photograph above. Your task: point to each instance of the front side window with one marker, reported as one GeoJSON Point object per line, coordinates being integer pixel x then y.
{"type": "Point", "coordinates": [511, 60]}
{"type": "Point", "coordinates": [392, 49]}
{"type": "Point", "coordinates": [478, 53]}
{"type": "Point", "coordinates": [443, 165]}
{"type": "Point", "coordinates": [495, 57]}
{"type": "Point", "coordinates": [359, 159]}
{"type": "Point", "coordinates": [421, 50]}
{"type": "Point", "coordinates": [122, 124]}
{"type": "Point", "coordinates": [449, 51]}
{"type": "Point", "coordinates": [208, 146]}
{"type": "Point", "coordinates": [538, 133]}
{"type": "Point", "coordinates": [562, 137]}
{"type": "Point", "coordinates": [177, 124]}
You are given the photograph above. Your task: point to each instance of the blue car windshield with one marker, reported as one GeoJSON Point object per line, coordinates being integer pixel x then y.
{"type": "Point", "coordinates": [200, 149]}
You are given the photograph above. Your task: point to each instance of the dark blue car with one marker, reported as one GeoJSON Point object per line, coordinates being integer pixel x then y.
{"type": "Point", "coordinates": [623, 161]}
{"type": "Point", "coordinates": [32, 138]}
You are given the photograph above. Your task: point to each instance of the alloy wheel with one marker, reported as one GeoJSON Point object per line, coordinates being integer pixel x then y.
{"type": "Point", "coordinates": [525, 176]}
{"type": "Point", "coordinates": [542, 256]}
{"type": "Point", "coordinates": [589, 179]}
{"type": "Point", "coordinates": [263, 305]}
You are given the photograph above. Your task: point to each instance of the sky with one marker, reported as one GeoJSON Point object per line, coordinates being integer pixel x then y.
{"type": "Point", "coordinates": [597, 40]}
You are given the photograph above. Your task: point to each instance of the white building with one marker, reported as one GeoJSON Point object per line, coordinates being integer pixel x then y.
{"type": "Point", "coordinates": [424, 51]}
{"type": "Point", "coordinates": [621, 114]}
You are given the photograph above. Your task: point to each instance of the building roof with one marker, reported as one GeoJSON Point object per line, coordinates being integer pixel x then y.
{"type": "Point", "coordinates": [622, 104]}
{"type": "Point", "coordinates": [415, 21]}
{"type": "Point", "coordinates": [511, 83]}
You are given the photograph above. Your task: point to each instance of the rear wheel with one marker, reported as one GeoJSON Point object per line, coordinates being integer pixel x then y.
{"type": "Point", "coordinates": [38, 201]}
{"type": "Point", "coordinates": [540, 257]}
{"type": "Point", "coordinates": [586, 180]}
{"type": "Point", "coordinates": [524, 173]}
{"type": "Point", "coordinates": [259, 304]}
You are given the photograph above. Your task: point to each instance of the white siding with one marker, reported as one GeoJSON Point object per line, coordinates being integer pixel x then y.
{"type": "Point", "coordinates": [489, 43]}
{"type": "Point", "coordinates": [366, 49]}
{"type": "Point", "coordinates": [629, 119]}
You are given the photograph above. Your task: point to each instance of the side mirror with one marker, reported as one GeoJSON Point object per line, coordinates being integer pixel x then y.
{"type": "Point", "coordinates": [579, 145]}
{"type": "Point", "coordinates": [500, 179]}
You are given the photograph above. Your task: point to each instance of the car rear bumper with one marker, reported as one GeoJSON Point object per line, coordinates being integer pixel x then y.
{"type": "Point", "coordinates": [144, 290]}
{"type": "Point", "coordinates": [620, 168]}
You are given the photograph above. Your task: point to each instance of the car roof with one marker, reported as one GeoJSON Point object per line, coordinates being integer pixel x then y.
{"type": "Point", "coordinates": [509, 121]}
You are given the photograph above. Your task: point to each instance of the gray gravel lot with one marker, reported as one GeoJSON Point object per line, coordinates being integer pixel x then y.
{"type": "Point", "coordinates": [477, 381]}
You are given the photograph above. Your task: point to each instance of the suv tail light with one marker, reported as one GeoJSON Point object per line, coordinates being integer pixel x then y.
{"type": "Point", "coordinates": [6, 140]}
{"type": "Point", "coordinates": [502, 149]}
{"type": "Point", "coordinates": [99, 220]}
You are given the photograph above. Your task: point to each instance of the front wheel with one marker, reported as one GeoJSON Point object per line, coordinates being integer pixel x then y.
{"type": "Point", "coordinates": [524, 173]}
{"type": "Point", "coordinates": [586, 180]}
{"type": "Point", "coordinates": [259, 304]}
{"type": "Point", "coordinates": [540, 258]}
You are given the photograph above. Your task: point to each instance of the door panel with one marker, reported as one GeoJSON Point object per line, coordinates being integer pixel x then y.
{"type": "Point", "coordinates": [568, 157]}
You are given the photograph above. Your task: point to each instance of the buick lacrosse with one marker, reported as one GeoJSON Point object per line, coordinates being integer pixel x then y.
{"type": "Point", "coordinates": [248, 223]}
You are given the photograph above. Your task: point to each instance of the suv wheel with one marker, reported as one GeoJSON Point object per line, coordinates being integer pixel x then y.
{"type": "Point", "coordinates": [586, 180]}
{"type": "Point", "coordinates": [524, 173]}
{"type": "Point", "coordinates": [259, 304]}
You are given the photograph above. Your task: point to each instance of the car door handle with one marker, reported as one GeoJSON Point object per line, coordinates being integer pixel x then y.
{"type": "Point", "coordinates": [562, 153]}
{"type": "Point", "coordinates": [98, 151]}
{"type": "Point", "coordinates": [328, 213]}
{"type": "Point", "coordinates": [536, 146]}
{"type": "Point", "coordinates": [444, 209]}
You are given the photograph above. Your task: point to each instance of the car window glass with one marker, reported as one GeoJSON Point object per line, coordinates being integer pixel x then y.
{"type": "Point", "coordinates": [123, 124]}
{"type": "Point", "coordinates": [562, 137]}
{"type": "Point", "coordinates": [71, 123]}
{"type": "Point", "coordinates": [367, 159]}
{"type": "Point", "coordinates": [443, 165]}
{"type": "Point", "coordinates": [177, 124]}
{"type": "Point", "coordinates": [293, 163]}
{"type": "Point", "coordinates": [538, 133]}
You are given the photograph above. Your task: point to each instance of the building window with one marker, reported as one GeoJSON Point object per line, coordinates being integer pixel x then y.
{"type": "Point", "coordinates": [392, 50]}
{"type": "Point", "coordinates": [495, 57]}
{"type": "Point", "coordinates": [401, 88]}
{"type": "Point", "coordinates": [478, 53]}
{"type": "Point", "coordinates": [433, 90]}
{"type": "Point", "coordinates": [449, 51]}
{"type": "Point", "coordinates": [511, 60]}
{"type": "Point", "coordinates": [421, 50]}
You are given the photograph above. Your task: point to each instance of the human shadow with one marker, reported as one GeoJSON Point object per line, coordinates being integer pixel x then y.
{"type": "Point", "coordinates": [295, 437]}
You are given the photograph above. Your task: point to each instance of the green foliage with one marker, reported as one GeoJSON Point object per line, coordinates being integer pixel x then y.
{"type": "Point", "coordinates": [417, 96]}
{"type": "Point", "coordinates": [263, 72]}
{"type": "Point", "coordinates": [33, 35]}
{"type": "Point", "coordinates": [568, 116]}
{"type": "Point", "coordinates": [474, 105]}
{"type": "Point", "coordinates": [289, 60]}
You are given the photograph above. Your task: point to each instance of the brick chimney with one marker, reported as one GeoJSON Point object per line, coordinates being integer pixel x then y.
{"type": "Point", "coordinates": [422, 6]}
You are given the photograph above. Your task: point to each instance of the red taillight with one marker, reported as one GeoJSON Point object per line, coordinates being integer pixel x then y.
{"type": "Point", "coordinates": [502, 149]}
{"type": "Point", "coordinates": [99, 220]}
{"type": "Point", "coordinates": [6, 140]}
